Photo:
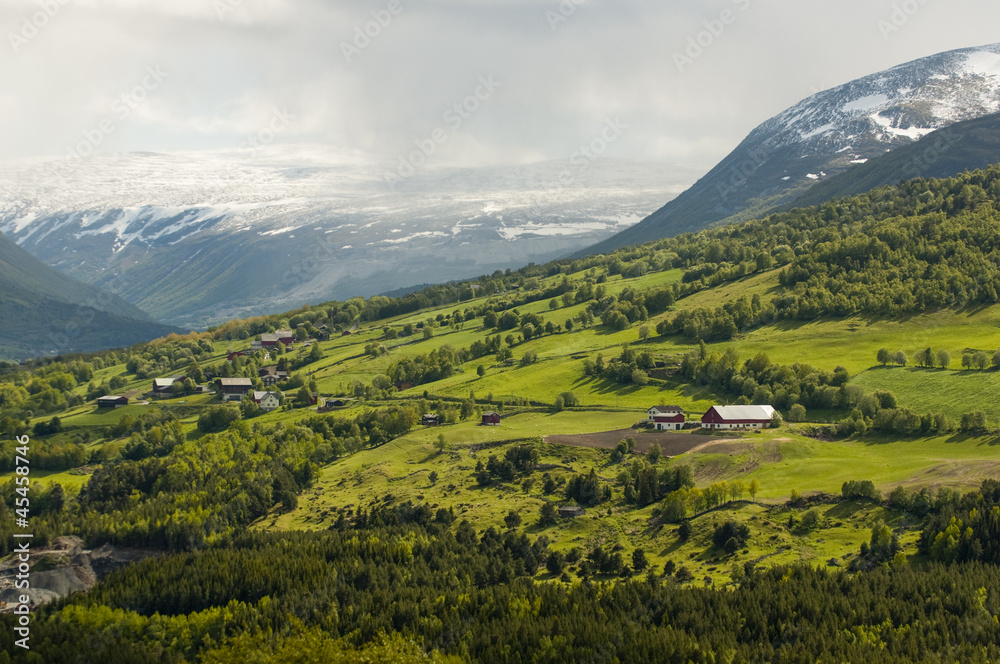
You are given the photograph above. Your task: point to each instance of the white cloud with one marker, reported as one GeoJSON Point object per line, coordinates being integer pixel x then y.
{"type": "Point", "coordinates": [608, 58]}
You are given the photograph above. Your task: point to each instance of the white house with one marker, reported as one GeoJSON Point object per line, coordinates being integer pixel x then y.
{"type": "Point", "coordinates": [738, 417]}
{"type": "Point", "coordinates": [663, 410]}
{"type": "Point", "coordinates": [267, 401]}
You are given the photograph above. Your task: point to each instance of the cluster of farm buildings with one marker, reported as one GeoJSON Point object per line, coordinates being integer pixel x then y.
{"type": "Point", "coordinates": [234, 389]}
{"type": "Point", "coordinates": [672, 418]}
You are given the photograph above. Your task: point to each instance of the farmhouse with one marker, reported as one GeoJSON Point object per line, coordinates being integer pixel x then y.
{"type": "Point", "coordinates": [570, 511]}
{"type": "Point", "coordinates": [269, 340]}
{"type": "Point", "coordinates": [112, 401]}
{"type": "Point", "coordinates": [666, 418]}
{"type": "Point", "coordinates": [737, 417]}
{"type": "Point", "coordinates": [161, 386]}
{"type": "Point", "coordinates": [663, 410]}
{"type": "Point", "coordinates": [271, 376]}
{"type": "Point", "coordinates": [267, 401]}
{"type": "Point", "coordinates": [430, 420]}
{"type": "Point", "coordinates": [336, 403]}
{"type": "Point", "coordinates": [233, 389]}
{"type": "Point", "coordinates": [491, 419]}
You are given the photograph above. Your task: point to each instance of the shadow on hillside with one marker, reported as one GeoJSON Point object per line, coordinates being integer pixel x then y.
{"type": "Point", "coordinates": [604, 386]}
{"type": "Point", "coordinates": [666, 551]}
{"type": "Point", "coordinates": [847, 509]}
{"type": "Point", "coordinates": [991, 438]}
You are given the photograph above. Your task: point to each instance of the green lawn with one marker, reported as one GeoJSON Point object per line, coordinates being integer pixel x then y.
{"type": "Point", "coordinates": [782, 460]}
{"type": "Point", "coordinates": [937, 390]}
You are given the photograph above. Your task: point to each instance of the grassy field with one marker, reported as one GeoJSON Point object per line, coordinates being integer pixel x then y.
{"type": "Point", "coordinates": [938, 390]}
{"type": "Point", "coordinates": [781, 460]}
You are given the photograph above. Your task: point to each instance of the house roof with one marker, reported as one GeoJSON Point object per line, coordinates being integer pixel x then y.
{"type": "Point", "coordinates": [667, 409]}
{"type": "Point", "coordinates": [744, 412]}
{"type": "Point", "coordinates": [258, 394]}
{"type": "Point", "coordinates": [109, 397]}
{"type": "Point", "coordinates": [235, 382]}
{"type": "Point", "coordinates": [167, 381]}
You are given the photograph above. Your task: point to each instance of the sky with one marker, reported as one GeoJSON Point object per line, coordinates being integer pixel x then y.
{"type": "Point", "coordinates": [471, 82]}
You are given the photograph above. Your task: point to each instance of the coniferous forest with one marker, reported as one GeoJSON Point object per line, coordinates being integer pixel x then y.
{"type": "Point", "coordinates": [397, 583]}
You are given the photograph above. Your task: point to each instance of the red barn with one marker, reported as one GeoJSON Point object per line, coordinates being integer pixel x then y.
{"type": "Point", "coordinates": [491, 419]}
{"type": "Point", "coordinates": [738, 417]}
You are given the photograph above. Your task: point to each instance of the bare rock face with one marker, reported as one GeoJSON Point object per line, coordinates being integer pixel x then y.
{"type": "Point", "coordinates": [63, 568]}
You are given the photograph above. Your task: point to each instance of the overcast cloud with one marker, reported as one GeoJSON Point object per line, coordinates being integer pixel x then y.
{"type": "Point", "coordinates": [181, 75]}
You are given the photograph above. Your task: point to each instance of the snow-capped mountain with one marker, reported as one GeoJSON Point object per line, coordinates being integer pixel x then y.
{"type": "Point", "coordinates": [827, 134]}
{"type": "Point", "coordinates": [197, 238]}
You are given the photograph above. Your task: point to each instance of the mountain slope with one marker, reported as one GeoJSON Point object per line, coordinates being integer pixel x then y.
{"type": "Point", "coordinates": [200, 238]}
{"type": "Point", "coordinates": [969, 145]}
{"type": "Point", "coordinates": [827, 134]}
{"type": "Point", "coordinates": [45, 311]}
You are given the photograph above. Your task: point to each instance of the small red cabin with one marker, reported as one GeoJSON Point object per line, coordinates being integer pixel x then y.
{"type": "Point", "coordinates": [491, 419]}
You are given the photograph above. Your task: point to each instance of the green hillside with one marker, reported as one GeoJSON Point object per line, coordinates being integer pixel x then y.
{"type": "Point", "coordinates": [368, 509]}
{"type": "Point", "coordinates": [44, 311]}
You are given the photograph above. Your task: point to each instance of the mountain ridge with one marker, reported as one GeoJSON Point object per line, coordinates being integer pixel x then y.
{"type": "Point", "coordinates": [44, 310]}
{"type": "Point", "coordinates": [826, 134]}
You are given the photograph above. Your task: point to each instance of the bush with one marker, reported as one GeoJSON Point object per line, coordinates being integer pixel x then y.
{"type": "Point", "coordinates": [731, 536]}
{"type": "Point", "coordinates": [569, 399]}
{"type": "Point", "coordinates": [810, 519]}
{"type": "Point", "coordinates": [860, 490]}
{"type": "Point", "coordinates": [797, 413]}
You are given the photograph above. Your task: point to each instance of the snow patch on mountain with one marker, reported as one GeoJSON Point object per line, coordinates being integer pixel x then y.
{"type": "Point", "coordinates": [304, 223]}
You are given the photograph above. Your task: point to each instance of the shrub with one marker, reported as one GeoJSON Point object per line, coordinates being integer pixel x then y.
{"type": "Point", "coordinates": [731, 536]}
